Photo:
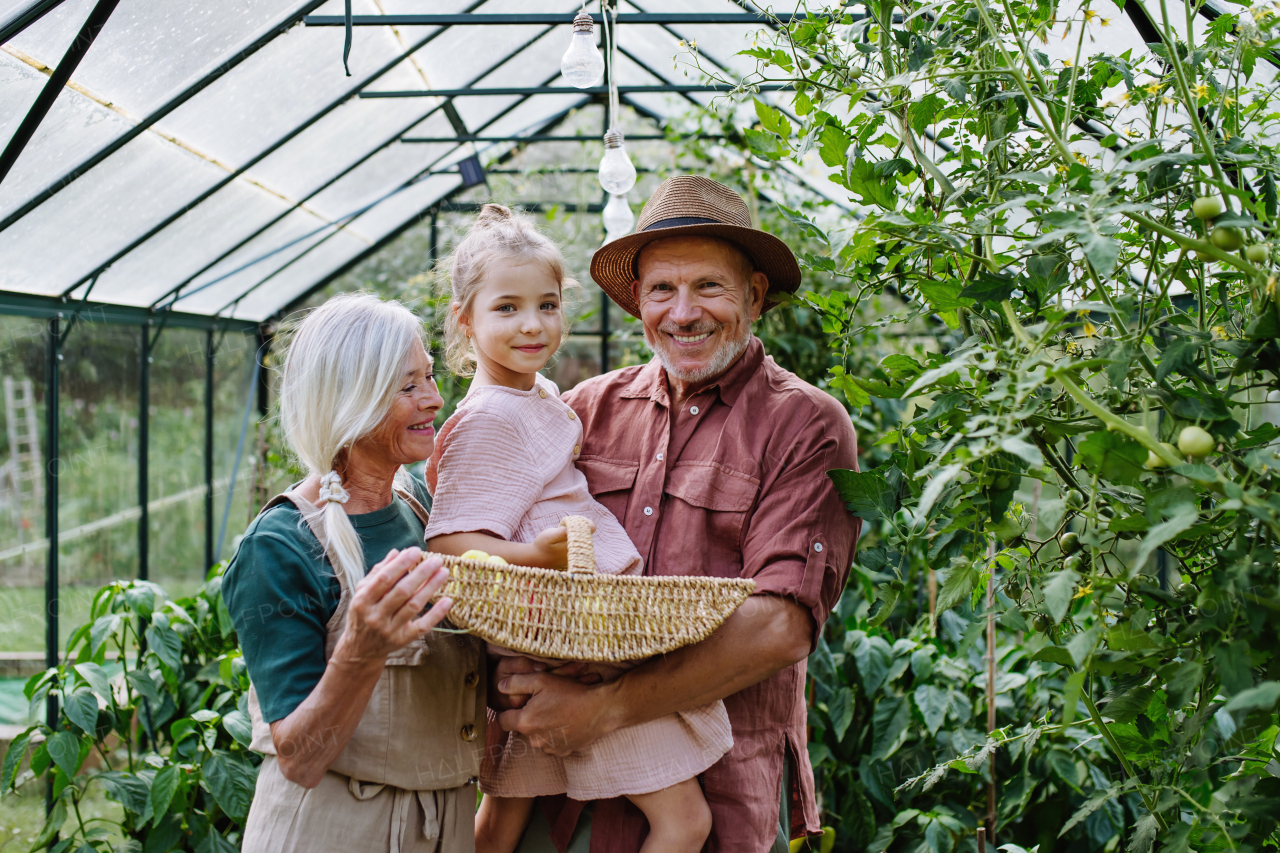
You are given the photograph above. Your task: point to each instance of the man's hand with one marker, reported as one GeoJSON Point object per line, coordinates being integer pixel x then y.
{"type": "Point", "coordinates": [502, 666]}
{"type": "Point", "coordinates": [560, 714]}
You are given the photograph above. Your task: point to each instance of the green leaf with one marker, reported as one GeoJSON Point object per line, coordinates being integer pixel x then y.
{"type": "Point", "coordinates": [1024, 450]}
{"type": "Point", "coordinates": [1260, 698]}
{"type": "Point", "coordinates": [57, 817]}
{"type": "Point", "coordinates": [766, 144]}
{"type": "Point", "coordinates": [239, 727]}
{"type": "Point", "coordinates": [1126, 707]}
{"type": "Point", "coordinates": [1184, 683]}
{"type": "Point", "coordinates": [872, 655]}
{"type": "Point", "coordinates": [865, 493]}
{"type": "Point", "coordinates": [943, 295]}
{"type": "Point", "coordinates": [104, 627]}
{"type": "Point", "coordinates": [841, 712]}
{"type": "Point", "coordinates": [1113, 457]}
{"type": "Point", "coordinates": [1182, 517]}
{"type": "Point", "coordinates": [215, 842]}
{"type": "Point", "coordinates": [204, 715]}
{"type": "Point", "coordinates": [64, 749]}
{"type": "Point", "coordinates": [231, 779]}
{"type": "Point", "coordinates": [932, 702]}
{"type": "Point", "coordinates": [924, 112]}
{"type": "Point", "coordinates": [163, 788]}
{"type": "Point", "coordinates": [959, 583]}
{"type": "Point", "coordinates": [1102, 252]}
{"type": "Point", "coordinates": [1058, 591]}
{"type": "Point", "coordinates": [889, 726]}
{"type": "Point", "coordinates": [1144, 834]}
{"type": "Point", "coordinates": [1091, 805]}
{"type": "Point", "coordinates": [13, 758]}
{"type": "Point", "coordinates": [873, 190]}
{"type": "Point", "coordinates": [143, 685]}
{"type": "Point", "coordinates": [127, 789]}
{"type": "Point", "coordinates": [166, 644]}
{"type": "Point", "coordinates": [96, 676]}
{"type": "Point", "coordinates": [81, 707]}
{"type": "Point", "coordinates": [769, 117]}
{"type": "Point", "coordinates": [833, 146]}
{"type": "Point", "coordinates": [989, 288]}
{"type": "Point", "coordinates": [141, 599]}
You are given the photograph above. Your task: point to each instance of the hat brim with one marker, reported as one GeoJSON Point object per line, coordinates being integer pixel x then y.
{"type": "Point", "coordinates": [613, 266]}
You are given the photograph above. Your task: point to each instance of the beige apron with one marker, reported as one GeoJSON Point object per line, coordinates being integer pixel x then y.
{"type": "Point", "coordinates": [406, 779]}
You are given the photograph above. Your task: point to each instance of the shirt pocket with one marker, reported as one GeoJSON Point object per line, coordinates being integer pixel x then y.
{"type": "Point", "coordinates": [719, 501]}
{"type": "Point", "coordinates": [610, 482]}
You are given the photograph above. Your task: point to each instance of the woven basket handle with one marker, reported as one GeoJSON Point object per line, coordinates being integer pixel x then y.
{"type": "Point", "coordinates": [582, 553]}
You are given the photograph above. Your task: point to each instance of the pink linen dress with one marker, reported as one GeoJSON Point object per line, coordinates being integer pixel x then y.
{"type": "Point", "coordinates": [504, 465]}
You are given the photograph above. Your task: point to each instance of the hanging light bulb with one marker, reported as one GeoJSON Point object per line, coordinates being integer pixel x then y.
{"type": "Point", "coordinates": [618, 218]}
{"type": "Point", "coordinates": [582, 65]}
{"type": "Point", "coordinates": [617, 175]}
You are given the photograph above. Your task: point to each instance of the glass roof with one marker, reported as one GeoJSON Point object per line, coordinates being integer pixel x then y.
{"type": "Point", "coordinates": [215, 158]}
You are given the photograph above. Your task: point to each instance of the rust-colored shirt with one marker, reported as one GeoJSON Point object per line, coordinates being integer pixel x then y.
{"type": "Point", "coordinates": [734, 484]}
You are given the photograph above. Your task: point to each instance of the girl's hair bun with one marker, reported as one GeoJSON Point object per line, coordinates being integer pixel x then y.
{"type": "Point", "coordinates": [492, 213]}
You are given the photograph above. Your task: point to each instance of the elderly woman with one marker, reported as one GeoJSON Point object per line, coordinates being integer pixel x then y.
{"type": "Point", "coordinates": [370, 722]}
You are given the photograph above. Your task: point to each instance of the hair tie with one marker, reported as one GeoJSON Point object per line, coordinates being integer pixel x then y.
{"type": "Point", "coordinates": [331, 488]}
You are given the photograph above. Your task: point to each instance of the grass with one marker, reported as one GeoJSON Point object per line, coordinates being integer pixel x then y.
{"type": "Point", "coordinates": [22, 814]}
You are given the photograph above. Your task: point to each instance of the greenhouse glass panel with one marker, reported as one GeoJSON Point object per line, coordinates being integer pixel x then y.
{"type": "Point", "coordinates": [266, 295]}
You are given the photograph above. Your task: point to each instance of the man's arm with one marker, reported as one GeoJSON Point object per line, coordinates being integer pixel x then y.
{"type": "Point", "coordinates": [766, 634]}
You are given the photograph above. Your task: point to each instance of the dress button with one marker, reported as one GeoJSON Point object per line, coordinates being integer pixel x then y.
{"type": "Point", "coordinates": [472, 679]}
{"type": "Point", "coordinates": [648, 510]}
{"type": "Point", "coordinates": [542, 392]}
{"type": "Point", "coordinates": [693, 410]}
{"type": "Point", "coordinates": [572, 416]}
{"type": "Point", "coordinates": [659, 457]}
{"type": "Point", "coordinates": [468, 733]}
{"type": "Point", "coordinates": [817, 546]}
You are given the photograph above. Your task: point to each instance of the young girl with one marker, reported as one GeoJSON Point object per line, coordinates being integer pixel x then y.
{"type": "Point", "coordinates": [502, 477]}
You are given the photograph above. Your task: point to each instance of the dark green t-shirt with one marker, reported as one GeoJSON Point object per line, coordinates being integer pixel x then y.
{"type": "Point", "coordinates": [281, 592]}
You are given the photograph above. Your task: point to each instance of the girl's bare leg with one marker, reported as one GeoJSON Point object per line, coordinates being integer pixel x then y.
{"type": "Point", "coordinates": [501, 822]}
{"type": "Point", "coordinates": [679, 818]}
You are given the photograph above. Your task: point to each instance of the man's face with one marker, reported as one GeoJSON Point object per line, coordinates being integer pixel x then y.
{"type": "Point", "coordinates": [698, 298]}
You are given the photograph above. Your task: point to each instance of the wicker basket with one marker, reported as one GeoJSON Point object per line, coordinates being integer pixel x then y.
{"type": "Point", "coordinates": [582, 615]}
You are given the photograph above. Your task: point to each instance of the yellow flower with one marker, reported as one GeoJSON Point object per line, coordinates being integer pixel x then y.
{"type": "Point", "coordinates": [1228, 100]}
{"type": "Point", "coordinates": [1271, 286]}
{"type": "Point", "coordinates": [1080, 158]}
{"type": "Point", "coordinates": [1106, 22]}
{"type": "Point", "coordinates": [1089, 14]}
{"type": "Point", "coordinates": [1090, 330]}
{"type": "Point", "coordinates": [1166, 100]}
{"type": "Point", "coordinates": [1220, 332]}
{"type": "Point", "coordinates": [1202, 91]}
{"type": "Point", "coordinates": [1067, 62]}
{"type": "Point", "coordinates": [1130, 132]}
{"type": "Point", "coordinates": [1154, 88]}
{"type": "Point", "coordinates": [693, 44]}
{"type": "Point", "coordinates": [681, 44]}
{"type": "Point", "coordinates": [1085, 589]}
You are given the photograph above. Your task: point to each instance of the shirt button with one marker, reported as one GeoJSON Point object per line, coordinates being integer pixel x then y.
{"type": "Point", "coordinates": [468, 733]}
{"type": "Point", "coordinates": [472, 679]}
{"type": "Point", "coordinates": [693, 410]}
{"type": "Point", "coordinates": [577, 448]}
{"type": "Point", "coordinates": [817, 546]}
{"type": "Point", "coordinates": [572, 416]}
{"type": "Point", "coordinates": [659, 457]}
{"type": "Point", "coordinates": [648, 510]}
{"type": "Point", "coordinates": [542, 392]}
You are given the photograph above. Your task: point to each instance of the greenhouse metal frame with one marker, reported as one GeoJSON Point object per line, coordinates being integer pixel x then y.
{"type": "Point", "coordinates": [185, 165]}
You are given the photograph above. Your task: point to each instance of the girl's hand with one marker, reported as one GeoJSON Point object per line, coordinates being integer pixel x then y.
{"type": "Point", "coordinates": [386, 608]}
{"type": "Point", "coordinates": [551, 547]}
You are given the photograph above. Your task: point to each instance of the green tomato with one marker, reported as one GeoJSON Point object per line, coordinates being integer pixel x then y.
{"type": "Point", "coordinates": [855, 73]}
{"type": "Point", "coordinates": [1227, 238]}
{"type": "Point", "coordinates": [1194, 441]}
{"type": "Point", "coordinates": [1073, 563]}
{"type": "Point", "coordinates": [821, 39]}
{"type": "Point", "coordinates": [1203, 255]}
{"type": "Point", "coordinates": [805, 64]}
{"type": "Point", "coordinates": [1258, 253]}
{"type": "Point", "coordinates": [1207, 207]}
{"type": "Point", "coordinates": [1073, 499]}
{"type": "Point", "coordinates": [1069, 542]}
{"type": "Point", "coordinates": [1154, 461]}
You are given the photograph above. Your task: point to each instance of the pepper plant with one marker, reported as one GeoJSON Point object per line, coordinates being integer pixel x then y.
{"type": "Point", "coordinates": [164, 731]}
{"type": "Point", "coordinates": [1086, 457]}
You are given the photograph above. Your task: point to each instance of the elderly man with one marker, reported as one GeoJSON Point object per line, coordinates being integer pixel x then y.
{"type": "Point", "coordinates": [715, 459]}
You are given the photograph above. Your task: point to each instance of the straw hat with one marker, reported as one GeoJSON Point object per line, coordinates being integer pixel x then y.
{"type": "Point", "coordinates": [688, 205]}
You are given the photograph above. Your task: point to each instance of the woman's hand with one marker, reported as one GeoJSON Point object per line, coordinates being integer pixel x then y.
{"type": "Point", "coordinates": [386, 608]}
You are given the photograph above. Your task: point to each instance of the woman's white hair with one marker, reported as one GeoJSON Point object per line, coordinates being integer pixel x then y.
{"type": "Point", "coordinates": [342, 369]}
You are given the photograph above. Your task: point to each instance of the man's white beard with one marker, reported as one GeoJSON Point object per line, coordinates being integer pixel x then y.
{"type": "Point", "coordinates": [726, 355]}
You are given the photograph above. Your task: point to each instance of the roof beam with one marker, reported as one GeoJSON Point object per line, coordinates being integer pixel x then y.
{"type": "Point", "coordinates": [257, 158]}
{"type": "Point", "coordinates": [53, 86]}
{"type": "Point", "coordinates": [567, 90]}
{"type": "Point", "coordinates": [77, 171]}
{"type": "Point", "coordinates": [46, 307]}
{"type": "Point", "coordinates": [341, 174]}
{"type": "Point", "coordinates": [23, 18]}
{"type": "Point", "coordinates": [466, 20]}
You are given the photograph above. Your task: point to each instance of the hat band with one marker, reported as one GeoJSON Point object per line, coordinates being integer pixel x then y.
{"type": "Point", "coordinates": [681, 220]}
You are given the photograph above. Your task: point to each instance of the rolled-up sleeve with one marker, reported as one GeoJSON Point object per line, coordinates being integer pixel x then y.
{"type": "Point", "coordinates": [800, 539]}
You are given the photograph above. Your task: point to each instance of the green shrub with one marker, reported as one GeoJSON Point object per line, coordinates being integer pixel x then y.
{"type": "Point", "coordinates": [169, 727]}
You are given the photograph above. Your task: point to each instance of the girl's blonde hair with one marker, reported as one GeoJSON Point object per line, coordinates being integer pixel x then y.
{"type": "Point", "coordinates": [497, 235]}
{"type": "Point", "coordinates": [344, 364]}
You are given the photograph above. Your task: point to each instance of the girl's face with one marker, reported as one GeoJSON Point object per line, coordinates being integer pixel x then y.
{"type": "Point", "coordinates": [515, 323]}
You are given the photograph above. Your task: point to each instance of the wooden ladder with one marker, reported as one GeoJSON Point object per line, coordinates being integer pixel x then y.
{"type": "Point", "coordinates": [25, 466]}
